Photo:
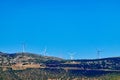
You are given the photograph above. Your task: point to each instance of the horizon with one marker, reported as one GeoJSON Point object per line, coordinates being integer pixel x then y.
{"type": "Point", "coordinates": [40, 54]}
{"type": "Point", "coordinates": [69, 58]}
{"type": "Point", "coordinates": [62, 27]}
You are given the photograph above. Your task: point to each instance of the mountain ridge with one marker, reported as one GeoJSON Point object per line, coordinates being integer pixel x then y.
{"type": "Point", "coordinates": [29, 66]}
{"type": "Point", "coordinates": [30, 59]}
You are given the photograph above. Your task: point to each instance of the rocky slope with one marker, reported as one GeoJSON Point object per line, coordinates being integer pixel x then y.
{"type": "Point", "coordinates": [28, 66]}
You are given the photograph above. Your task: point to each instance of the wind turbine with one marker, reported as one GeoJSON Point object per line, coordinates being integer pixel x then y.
{"type": "Point", "coordinates": [71, 55]}
{"type": "Point", "coordinates": [44, 51]}
{"type": "Point", "coordinates": [98, 53]}
{"type": "Point", "coordinates": [23, 48]}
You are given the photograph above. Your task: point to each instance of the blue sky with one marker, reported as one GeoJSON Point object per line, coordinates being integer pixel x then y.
{"type": "Point", "coordinates": [63, 26]}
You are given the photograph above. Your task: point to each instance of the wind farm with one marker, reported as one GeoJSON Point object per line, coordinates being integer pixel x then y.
{"type": "Point", "coordinates": [59, 40]}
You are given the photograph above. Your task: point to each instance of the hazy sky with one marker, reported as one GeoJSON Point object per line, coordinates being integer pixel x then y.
{"type": "Point", "coordinates": [63, 26]}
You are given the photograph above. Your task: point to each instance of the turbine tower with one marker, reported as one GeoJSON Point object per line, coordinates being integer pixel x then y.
{"type": "Point", "coordinates": [71, 56]}
{"type": "Point", "coordinates": [23, 48]}
{"type": "Point", "coordinates": [98, 53]}
{"type": "Point", "coordinates": [44, 52]}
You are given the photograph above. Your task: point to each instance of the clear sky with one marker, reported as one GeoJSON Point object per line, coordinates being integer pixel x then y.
{"type": "Point", "coordinates": [63, 26]}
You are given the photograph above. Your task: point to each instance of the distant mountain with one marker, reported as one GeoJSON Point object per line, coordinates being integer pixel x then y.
{"type": "Point", "coordinates": [29, 66]}
{"type": "Point", "coordinates": [24, 59]}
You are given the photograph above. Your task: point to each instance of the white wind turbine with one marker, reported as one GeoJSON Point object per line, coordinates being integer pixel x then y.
{"type": "Point", "coordinates": [44, 51]}
{"type": "Point", "coordinates": [23, 47]}
{"type": "Point", "coordinates": [71, 55]}
{"type": "Point", "coordinates": [98, 53]}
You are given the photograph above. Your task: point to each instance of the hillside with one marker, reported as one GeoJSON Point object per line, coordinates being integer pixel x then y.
{"type": "Point", "coordinates": [18, 61]}
{"type": "Point", "coordinates": [24, 57]}
{"type": "Point", "coordinates": [28, 66]}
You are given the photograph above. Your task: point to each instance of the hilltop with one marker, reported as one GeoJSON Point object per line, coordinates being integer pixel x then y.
{"type": "Point", "coordinates": [29, 59]}
{"type": "Point", "coordinates": [24, 60]}
{"type": "Point", "coordinates": [25, 66]}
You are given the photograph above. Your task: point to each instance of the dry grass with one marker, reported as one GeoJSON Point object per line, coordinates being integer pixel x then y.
{"type": "Point", "coordinates": [20, 66]}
